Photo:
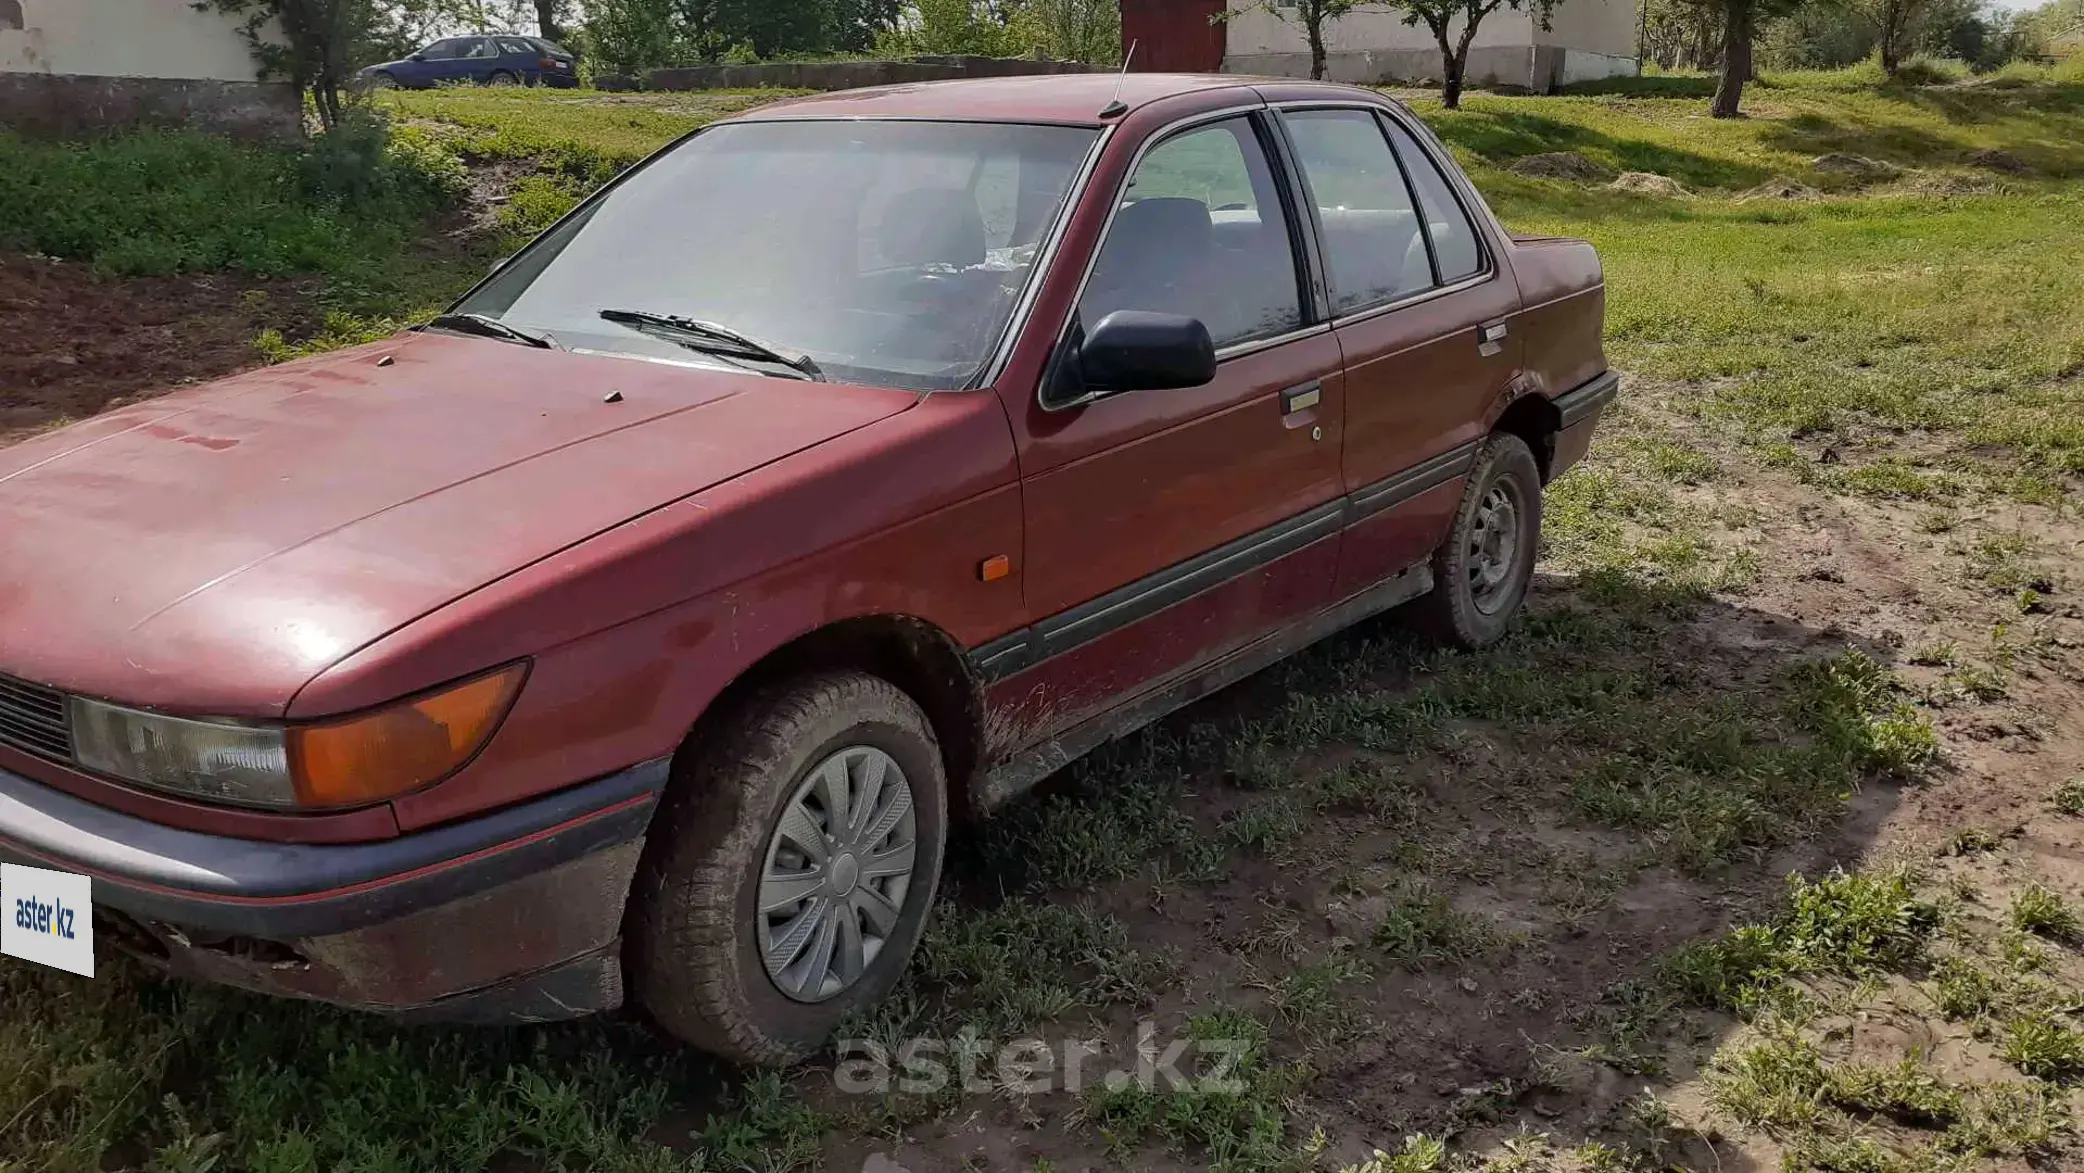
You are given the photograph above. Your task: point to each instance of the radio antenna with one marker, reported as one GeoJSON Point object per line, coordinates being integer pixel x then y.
{"type": "Point", "coordinates": [1114, 107]}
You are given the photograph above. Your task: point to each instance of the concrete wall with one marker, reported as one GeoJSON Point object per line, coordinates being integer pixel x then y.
{"type": "Point", "coordinates": [1587, 39]}
{"type": "Point", "coordinates": [77, 66]}
{"type": "Point", "coordinates": [123, 38]}
{"type": "Point", "coordinates": [851, 75]}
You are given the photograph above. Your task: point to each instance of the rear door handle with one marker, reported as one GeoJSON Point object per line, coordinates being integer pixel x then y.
{"type": "Point", "coordinates": [1301, 397]}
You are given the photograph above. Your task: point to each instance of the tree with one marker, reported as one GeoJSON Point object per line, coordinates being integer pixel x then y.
{"type": "Point", "coordinates": [1894, 23]}
{"type": "Point", "coordinates": [1439, 16]}
{"type": "Point", "coordinates": [312, 43]}
{"type": "Point", "coordinates": [546, 25]}
{"type": "Point", "coordinates": [1741, 19]}
{"type": "Point", "coordinates": [1312, 15]}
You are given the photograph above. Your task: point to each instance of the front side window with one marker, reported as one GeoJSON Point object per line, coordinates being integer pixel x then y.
{"type": "Point", "coordinates": [445, 50]}
{"type": "Point", "coordinates": [891, 253]}
{"type": "Point", "coordinates": [1374, 250]}
{"type": "Point", "coordinates": [1201, 232]}
{"type": "Point", "coordinates": [1454, 237]}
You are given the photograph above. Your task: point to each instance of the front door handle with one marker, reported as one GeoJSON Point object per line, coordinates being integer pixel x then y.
{"type": "Point", "coordinates": [1490, 340]}
{"type": "Point", "coordinates": [1302, 397]}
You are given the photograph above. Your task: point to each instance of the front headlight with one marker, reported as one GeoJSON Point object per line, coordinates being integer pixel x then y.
{"type": "Point", "coordinates": [217, 760]}
{"type": "Point", "coordinates": [347, 762]}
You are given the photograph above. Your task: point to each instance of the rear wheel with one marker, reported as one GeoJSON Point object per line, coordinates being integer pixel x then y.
{"type": "Point", "coordinates": [501, 77]}
{"type": "Point", "coordinates": [792, 869]}
{"type": "Point", "coordinates": [1482, 571]}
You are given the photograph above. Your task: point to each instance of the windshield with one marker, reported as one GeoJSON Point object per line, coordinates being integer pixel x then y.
{"type": "Point", "coordinates": [891, 253]}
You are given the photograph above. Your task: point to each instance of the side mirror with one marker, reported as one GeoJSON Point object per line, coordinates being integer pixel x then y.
{"type": "Point", "coordinates": [1133, 350]}
{"type": "Point", "coordinates": [497, 265]}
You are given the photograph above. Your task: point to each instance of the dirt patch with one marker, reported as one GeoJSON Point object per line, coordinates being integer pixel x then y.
{"type": "Point", "coordinates": [1856, 168]}
{"type": "Point", "coordinates": [2003, 162]}
{"type": "Point", "coordinates": [1779, 188]}
{"type": "Point", "coordinates": [79, 343]}
{"type": "Point", "coordinates": [1649, 183]}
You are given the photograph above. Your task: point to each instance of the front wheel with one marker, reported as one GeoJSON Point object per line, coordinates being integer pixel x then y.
{"type": "Point", "coordinates": [791, 871]}
{"type": "Point", "coordinates": [1481, 572]}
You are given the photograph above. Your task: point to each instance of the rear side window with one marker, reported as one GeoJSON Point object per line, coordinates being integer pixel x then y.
{"type": "Point", "coordinates": [1201, 232]}
{"type": "Point", "coordinates": [1373, 247]}
{"type": "Point", "coordinates": [518, 48]}
{"type": "Point", "coordinates": [1454, 237]}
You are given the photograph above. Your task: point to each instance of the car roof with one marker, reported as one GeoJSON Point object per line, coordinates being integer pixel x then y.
{"type": "Point", "coordinates": [1075, 98]}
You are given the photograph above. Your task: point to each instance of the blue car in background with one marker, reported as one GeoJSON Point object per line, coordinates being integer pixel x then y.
{"type": "Point", "coordinates": [488, 60]}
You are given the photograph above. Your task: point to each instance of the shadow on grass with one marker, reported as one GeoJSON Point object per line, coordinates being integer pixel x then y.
{"type": "Point", "coordinates": [1894, 142]}
{"type": "Point", "coordinates": [1630, 751]}
{"type": "Point", "coordinates": [1666, 85]}
{"type": "Point", "coordinates": [1500, 136]}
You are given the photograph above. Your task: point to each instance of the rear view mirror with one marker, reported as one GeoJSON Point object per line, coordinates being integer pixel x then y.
{"type": "Point", "coordinates": [1133, 350]}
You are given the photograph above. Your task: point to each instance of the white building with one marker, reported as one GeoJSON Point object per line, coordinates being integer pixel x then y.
{"type": "Point", "coordinates": [73, 65]}
{"type": "Point", "coordinates": [1585, 40]}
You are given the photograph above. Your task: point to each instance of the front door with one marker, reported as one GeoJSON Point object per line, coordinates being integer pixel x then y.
{"type": "Point", "coordinates": [1167, 527]}
{"type": "Point", "coordinates": [1423, 314]}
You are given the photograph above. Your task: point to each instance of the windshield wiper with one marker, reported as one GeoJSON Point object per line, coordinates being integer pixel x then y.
{"type": "Point", "coordinates": [711, 338]}
{"type": "Point", "coordinates": [491, 327]}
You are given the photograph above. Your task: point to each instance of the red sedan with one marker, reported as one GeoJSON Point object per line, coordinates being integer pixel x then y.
{"type": "Point", "coordinates": [635, 630]}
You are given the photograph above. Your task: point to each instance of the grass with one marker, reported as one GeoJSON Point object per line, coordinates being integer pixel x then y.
{"type": "Point", "coordinates": [1783, 330]}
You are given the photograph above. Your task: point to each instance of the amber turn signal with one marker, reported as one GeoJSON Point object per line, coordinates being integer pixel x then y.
{"type": "Point", "coordinates": [402, 746]}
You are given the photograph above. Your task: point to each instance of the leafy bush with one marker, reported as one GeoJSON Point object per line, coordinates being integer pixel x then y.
{"type": "Point", "coordinates": [362, 163]}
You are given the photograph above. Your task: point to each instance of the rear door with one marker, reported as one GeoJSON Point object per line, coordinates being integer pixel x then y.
{"type": "Point", "coordinates": [1422, 311]}
{"type": "Point", "coordinates": [1167, 527]}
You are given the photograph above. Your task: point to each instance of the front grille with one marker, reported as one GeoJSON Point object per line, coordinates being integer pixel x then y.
{"type": "Point", "coordinates": [34, 718]}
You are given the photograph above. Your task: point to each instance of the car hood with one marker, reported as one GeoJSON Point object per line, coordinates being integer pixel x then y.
{"type": "Point", "coordinates": [212, 550]}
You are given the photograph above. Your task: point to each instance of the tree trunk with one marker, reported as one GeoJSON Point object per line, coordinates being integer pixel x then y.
{"type": "Point", "coordinates": [1736, 60]}
{"type": "Point", "coordinates": [1316, 30]}
{"type": "Point", "coordinates": [546, 21]}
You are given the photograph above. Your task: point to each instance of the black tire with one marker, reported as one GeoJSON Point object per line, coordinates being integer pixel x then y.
{"type": "Point", "coordinates": [1460, 610]}
{"type": "Point", "coordinates": [695, 960]}
{"type": "Point", "coordinates": [500, 77]}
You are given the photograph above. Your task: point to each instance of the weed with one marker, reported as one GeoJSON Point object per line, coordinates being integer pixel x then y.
{"type": "Point", "coordinates": [1971, 841]}
{"type": "Point", "coordinates": [1421, 927]}
{"type": "Point", "coordinates": [2044, 1047]}
{"type": "Point", "coordinates": [1420, 1154]}
{"type": "Point", "coordinates": [986, 960]}
{"type": "Point", "coordinates": [1238, 1121]}
{"type": "Point", "coordinates": [2043, 913]}
{"type": "Point", "coordinates": [2008, 1119]}
{"type": "Point", "coordinates": [1778, 1083]}
{"type": "Point", "coordinates": [1905, 1092]}
{"type": "Point", "coordinates": [1308, 997]}
{"type": "Point", "coordinates": [2069, 797]}
{"type": "Point", "coordinates": [1963, 989]}
{"type": "Point", "coordinates": [1854, 925]}
{"type": "Point", "coordinates": [1266, 827]}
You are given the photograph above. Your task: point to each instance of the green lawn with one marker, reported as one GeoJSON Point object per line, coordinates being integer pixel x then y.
{"type": "Point", "coordinates": [1918, 340]}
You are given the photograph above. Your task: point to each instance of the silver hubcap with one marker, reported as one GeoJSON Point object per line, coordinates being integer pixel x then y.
{"type": "Point", "coordinates": [837, 870]}
{"type": "Point", "coordinates": [1494, 548]}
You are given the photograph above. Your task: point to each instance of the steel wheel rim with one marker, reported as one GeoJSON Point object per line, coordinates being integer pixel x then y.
{"type": "Point", "coordinates": [1495, 548]}
{"type": "Point", "coordinates": [838, 866]}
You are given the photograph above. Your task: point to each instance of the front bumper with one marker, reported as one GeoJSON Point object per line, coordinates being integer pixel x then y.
{"type": "Point", "coordinates": [513, 916]}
